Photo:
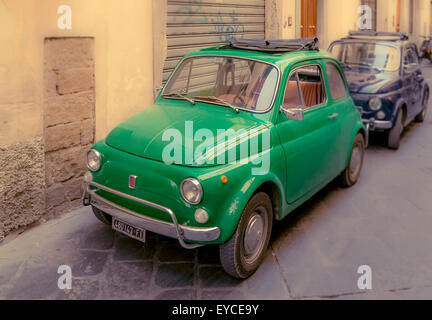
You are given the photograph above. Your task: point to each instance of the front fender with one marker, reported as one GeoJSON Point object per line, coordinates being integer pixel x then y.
{"type": "Point", "coordinates": [397, 108]}
{"type": "Point", "coordinates": [231, 213]}
{"type": "Point", "coordinates": [358, 127]}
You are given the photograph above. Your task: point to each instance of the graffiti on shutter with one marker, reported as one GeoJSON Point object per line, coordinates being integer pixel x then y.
{"type": "Point", "coordinates": [198, 24]}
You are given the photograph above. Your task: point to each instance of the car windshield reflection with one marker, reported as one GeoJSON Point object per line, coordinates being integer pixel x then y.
{"type": "Point", "coordinates": [227, 81]}
{"type": "Point", "coordinates": [366, 54]}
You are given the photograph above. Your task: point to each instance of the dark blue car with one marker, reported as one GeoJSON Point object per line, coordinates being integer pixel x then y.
{"type": "Point", "coordinates": [385, 80]}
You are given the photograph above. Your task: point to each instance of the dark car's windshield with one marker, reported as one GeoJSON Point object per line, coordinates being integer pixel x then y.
{"type": "Point", "coordinates": [239, 83]}
{"type": "Point", "coordinates": [369, 54]}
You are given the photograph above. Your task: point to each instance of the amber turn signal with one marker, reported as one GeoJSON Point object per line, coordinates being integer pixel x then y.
{"type": "Point", "coordinates": [224, 179]}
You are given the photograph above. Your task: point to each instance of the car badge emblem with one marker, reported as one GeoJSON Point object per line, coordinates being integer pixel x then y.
{"type": "Point", "coordinates": [132, 181]}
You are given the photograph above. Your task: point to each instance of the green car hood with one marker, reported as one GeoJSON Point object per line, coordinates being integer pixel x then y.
{"type": "Point", "coordinates": [142, 134]}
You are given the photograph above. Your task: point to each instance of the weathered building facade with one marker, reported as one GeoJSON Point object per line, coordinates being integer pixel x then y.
{"type": "Point", "coordinates": [68, 77]}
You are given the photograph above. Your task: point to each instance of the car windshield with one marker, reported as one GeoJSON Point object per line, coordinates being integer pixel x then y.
{"type": "Point", "coordinates": [231, 82]}
{"type": "Point", "coordinates": [368, 54]}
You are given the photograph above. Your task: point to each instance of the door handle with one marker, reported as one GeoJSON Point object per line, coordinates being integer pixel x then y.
{"type": "Point", "coordinates": [333, 116]}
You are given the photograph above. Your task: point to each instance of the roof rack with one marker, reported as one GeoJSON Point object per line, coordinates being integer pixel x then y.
{"type": "Point", "coordinates": [392, 36]}
{"type": "Point", "coordinates": [310, 44]}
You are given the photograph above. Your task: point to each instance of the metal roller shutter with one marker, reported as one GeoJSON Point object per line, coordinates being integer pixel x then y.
{"type": "Point", "coordinates": [197, 24]}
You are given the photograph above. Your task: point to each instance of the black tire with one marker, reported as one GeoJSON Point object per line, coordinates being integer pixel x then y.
{"type": "Point", "coordinates": [421, 117]}
{"type": "Point", "coordinates": [352, 172]}
{"type": "Point", "coordinates": [394, 134]}
{"type": "Point", "coordinates": [233, 254]}
{"type": "Point", "coordinates": [102, 216]}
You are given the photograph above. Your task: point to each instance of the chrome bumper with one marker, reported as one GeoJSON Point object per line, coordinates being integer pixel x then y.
{"type": "Point", "coordinates": [378, 124]}
{"type": "Point", "coordinates": [173, 230]}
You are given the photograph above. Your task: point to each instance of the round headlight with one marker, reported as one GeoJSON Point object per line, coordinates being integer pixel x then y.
{"type": "Point", "coordinates": [381, 115]}
{"type": "Point", "coordinates": [93, 160]}
{"type": "Point", "coordinates": [375, 104]}
{"type": "Point", "coordinates": [191, 190]}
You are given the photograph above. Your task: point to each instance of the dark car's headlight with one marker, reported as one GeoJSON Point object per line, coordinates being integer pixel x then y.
{"type": "Point", "coordinates": [93, 160]}
{"type": "Point", "coordinates": [191, 190]}
{"type": "Point", "coordinates": [375, 104]}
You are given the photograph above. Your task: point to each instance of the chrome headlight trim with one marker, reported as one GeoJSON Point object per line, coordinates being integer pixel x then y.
{"type": "Point", "coordinates": [197, 193]}
{"type": "Point", "coordinates": [94, 164]}
{"type": "Point", "coordinates": [375, 104]}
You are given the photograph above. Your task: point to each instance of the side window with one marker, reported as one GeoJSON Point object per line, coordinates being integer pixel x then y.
{"type": "Point", "coordinates": [410, 57]}
{"type": "Point", "coordinates": [292, 97]}
{"type": "Point", "coordinates": [336, 83]}
{"type": "Point", "coordinates": [414, 56]}
{"type": "Point", "coordinates": [305, 83]}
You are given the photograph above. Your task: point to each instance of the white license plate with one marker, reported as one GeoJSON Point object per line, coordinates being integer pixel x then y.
{"type": "Point", "coordinates": [127, 229]}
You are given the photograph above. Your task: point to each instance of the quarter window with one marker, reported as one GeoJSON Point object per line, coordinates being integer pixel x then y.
{"type": "Point", "coordinates": [336, 83]}
{"type": "Point", "coordinates": [305, 85]}
{"type": "Point", "coordinates": [410, 57]}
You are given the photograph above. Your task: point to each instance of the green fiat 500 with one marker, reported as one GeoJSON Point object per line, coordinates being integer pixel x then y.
{"type": "Point", "coordinates": [239, 137]}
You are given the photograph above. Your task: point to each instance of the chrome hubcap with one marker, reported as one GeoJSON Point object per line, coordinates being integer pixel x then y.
{"type": "Point", "coordinates": [356, 159]}
{"type": "Point", "coordinates": [255, 235]}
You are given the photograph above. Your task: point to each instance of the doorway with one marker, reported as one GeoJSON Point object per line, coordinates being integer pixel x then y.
{"type": "Point", "coordinates": [309, 18]}
{"type": "Point", "coordinates": [69, 118]}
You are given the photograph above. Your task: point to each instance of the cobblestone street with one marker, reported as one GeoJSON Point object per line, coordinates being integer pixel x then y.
{"type": "Point", "coordinates": [385, 221]}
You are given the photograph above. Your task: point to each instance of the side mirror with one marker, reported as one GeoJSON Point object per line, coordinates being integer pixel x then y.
{"type": "Point", "coordinates": [294, 114]}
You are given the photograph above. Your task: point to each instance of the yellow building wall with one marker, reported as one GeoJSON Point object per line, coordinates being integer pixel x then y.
{"type": "Point", "coordinates": [122, 39]}
{"type": "Point", "coordinates": [422, 12]}
{"type": "Point", "coordinates": [281, 19]}
{"type": "Point", "coordinates": [335, 19]}
{"type": "Point", "coordinates": [387, 12]}
{"type": "Point", "coordinates": [123, 57]}
{"type": "Point", "coordinates": [386, 15]}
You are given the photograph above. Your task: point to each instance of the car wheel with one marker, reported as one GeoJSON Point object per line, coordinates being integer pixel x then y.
{"type": "Point", "coordinates": [102, 216]}
{"type": "Point", "coordinates": [421, 117]}
{"type": "Point", "coordinates": [243, 253]}
{"type": "Point", "coordinates": [352, 172]}
{"type": "Point", "coordinates": [394, 135]}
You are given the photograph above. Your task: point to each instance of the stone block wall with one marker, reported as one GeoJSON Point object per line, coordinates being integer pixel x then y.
{"type": "Point", "coordinates": [69, 119]}
{"type": "Point", "coordinates": [22, 185]}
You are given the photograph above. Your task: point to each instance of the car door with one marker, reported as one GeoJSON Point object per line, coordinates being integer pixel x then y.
{"type": "Point", "coordinates": [411, 81]}
{"type": "Point", "coordinates": [345, 113]}
{"type": "Point", "coordinates": [418, 80]}
{"type": "Point", "coordinates": [308, 144]}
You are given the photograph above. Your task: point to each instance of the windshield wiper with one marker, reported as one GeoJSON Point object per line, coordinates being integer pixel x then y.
{"type": "Point", "coordinates": [378, 69]}
{"type": "Point", "coordinates": [179, 95]}
{"type": "Point", "coordinates": [225, 103]}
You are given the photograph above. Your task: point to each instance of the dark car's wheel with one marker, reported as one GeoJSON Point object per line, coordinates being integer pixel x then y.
{"type": "Point", "coordinates": [421, 117]}
{"type": "Point", "coordinates": [102, 216]}
{"type": "Point", "coordinates": [352, 172]}
{"type": "Point", "coordinates": [394, 134]}
{"type": "Point", "coordinates": [243, 253]}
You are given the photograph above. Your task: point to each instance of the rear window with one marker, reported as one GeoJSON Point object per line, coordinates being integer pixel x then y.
{"type": "Point", "coordinates": [336, 84]}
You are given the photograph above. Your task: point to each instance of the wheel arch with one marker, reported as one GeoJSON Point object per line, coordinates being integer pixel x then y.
{"type": "Point", "coordinates": [275, 195]}
{"type": "Point", "coordinates": [269, 184]}
{"type": "Point", "coordinates": [400, 106]}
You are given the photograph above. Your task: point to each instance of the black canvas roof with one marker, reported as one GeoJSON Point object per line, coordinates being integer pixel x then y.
{"type": "Point", "coordinates": [310, 44]}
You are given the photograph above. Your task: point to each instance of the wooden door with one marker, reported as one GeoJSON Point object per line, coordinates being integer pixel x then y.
{"type": "Point", "coordinates": [309, 18]}
{"type": "Point", "coordinates": [398, 15]}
